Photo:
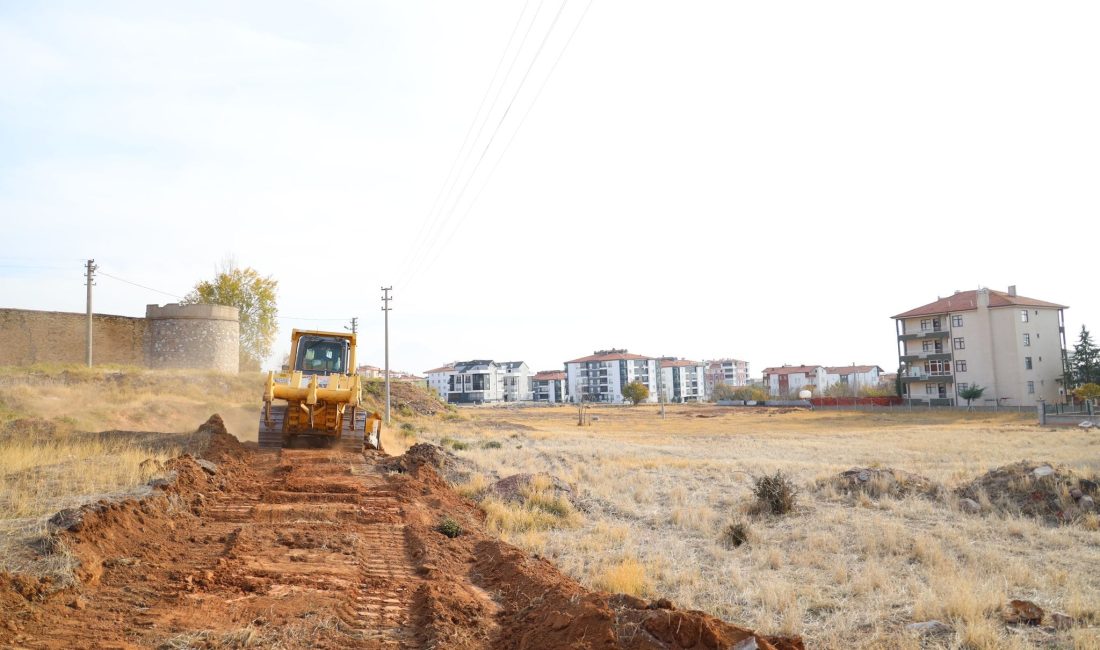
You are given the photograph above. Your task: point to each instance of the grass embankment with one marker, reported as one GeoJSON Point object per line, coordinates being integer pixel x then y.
{"type": "Point", "coordinates": [52, 458]}
{"type": "Point", "coordinates": [656, 499]}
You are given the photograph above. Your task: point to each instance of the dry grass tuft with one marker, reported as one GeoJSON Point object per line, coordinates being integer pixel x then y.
{"type": "Point", "coordinates": [627, 576]}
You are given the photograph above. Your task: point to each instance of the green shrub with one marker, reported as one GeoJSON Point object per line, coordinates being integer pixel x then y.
{"type": "Point", "coordinates": [449, 527]}
{"type": "Point", "coordinates": [491, 444]}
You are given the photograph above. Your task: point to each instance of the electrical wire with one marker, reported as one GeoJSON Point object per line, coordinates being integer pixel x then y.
{"type": "Point", "coordinates": [496, 129]}
{"type": "Point", "coordinates": [429, 221]}
{"type": "Point", "coordinates": [167, 293]}
{"type": "Point", "coordinates": [436, 227]}
{"type": "Point", "coordinates": [512, 138]}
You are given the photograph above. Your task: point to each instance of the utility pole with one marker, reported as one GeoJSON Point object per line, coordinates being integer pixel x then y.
{"type": "Point", "coordinates": [386, 309]}
{"type": "Point", "coordinates": [89, 276]}
{"type": "Point", "coordinates": [354, 325]}
{"type": "Point", "coordinates": [661, 386]}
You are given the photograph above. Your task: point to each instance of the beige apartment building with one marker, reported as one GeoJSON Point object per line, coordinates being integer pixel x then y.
{"type": "Point", "coordinates": [1012, 346]}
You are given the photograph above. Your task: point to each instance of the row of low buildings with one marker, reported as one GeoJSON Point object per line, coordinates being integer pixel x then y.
{"type": "Point", "coordinates": [1012, 346]}
{"type": "Point", "coordinates": [599, 377]}
{"type": "Point", "coordinates": [790, 380]}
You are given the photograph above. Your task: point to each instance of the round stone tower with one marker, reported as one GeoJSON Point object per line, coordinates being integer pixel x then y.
{"type": "Point", "coordinates": [193, 336]}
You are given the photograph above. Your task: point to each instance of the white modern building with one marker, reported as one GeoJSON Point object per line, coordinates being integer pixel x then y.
{"type": "Point", "coordinates": [515, 379]}
{"type": "Point", "coordinates": [683, 381]}
{"type": "Point", "coordinates": [600, 377]}
{"type": "Point", "coordinates": [731, 372]}
{"type": "Point", "coordinates": [549, 386]}
{"type": "Point", "coordinates": [787, 381]}
{"type": "Point", "coordinates": [1012, 346]}
{"type": "Point", "coordinates": [853, 378]}
{"type": "Point", "coordinates": [439, 380]}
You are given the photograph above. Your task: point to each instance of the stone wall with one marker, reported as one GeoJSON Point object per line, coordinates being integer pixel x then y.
{"type": "Point", "coordinates": [173, 336]}
{"type": "Point", "coordinates": [28, 337]}
{"type": "Point", "coordinates": [193, 336]}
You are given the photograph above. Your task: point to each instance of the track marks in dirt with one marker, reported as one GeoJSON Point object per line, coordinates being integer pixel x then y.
{"type": "Point", "coordinates": [327, 528]}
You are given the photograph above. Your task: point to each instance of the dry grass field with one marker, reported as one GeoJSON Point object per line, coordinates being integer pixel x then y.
{"type": "Point", "coordinates": [69, 435]}
{"type": "Point", "coordinates": [652, 500]}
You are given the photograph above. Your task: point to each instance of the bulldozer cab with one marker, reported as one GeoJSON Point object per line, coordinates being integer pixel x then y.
{"type": "Point", "coordinates": [322, 355]}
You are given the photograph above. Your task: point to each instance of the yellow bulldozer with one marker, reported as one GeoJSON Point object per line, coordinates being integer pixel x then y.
{"type": "Point", "coordinates": [319, 394]}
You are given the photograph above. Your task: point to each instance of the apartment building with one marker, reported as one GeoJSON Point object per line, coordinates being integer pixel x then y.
{"type": "Point", "coordinates": [515, 379]}
{"type": "Point", "coordinates": [600, 377]}
{"type": "Point", "coordinates": [731, 372]}
{"type": "Point", "coordinates": [683, 381]}
{"type": "Point", "coordinates": [439, 380]}
{"type": "Point", "coordinates": [783, 381]}
{"type": "Point", "coordinates": [549, 386]}
{"type": "Point", "coordinates": [1012, 346]}
{"type": "Point", "coordinates": [853, 377]}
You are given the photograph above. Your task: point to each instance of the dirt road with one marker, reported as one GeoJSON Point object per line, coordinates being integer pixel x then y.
{"type": "Point", "coordinates": [311, 548]}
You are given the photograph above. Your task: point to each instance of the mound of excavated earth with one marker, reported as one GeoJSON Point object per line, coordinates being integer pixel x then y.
{"type": "Point", "coordinates": [883, 481]}
{"type": "Point", "coordinates": [320, 549]}
{"type": "Point", "coordinates": [1041, 490]}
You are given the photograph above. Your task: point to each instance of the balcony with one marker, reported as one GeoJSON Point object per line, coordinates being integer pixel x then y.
{"type": "Point", "coordinates": [944, 376]}
{"type": "Point", "coordinates": [924, 334]}
{"type": "Point", "coordinates": [931, 355]}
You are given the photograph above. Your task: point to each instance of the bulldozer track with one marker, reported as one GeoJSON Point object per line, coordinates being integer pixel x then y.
{"type": "Point", "coordinates": [299, 540]}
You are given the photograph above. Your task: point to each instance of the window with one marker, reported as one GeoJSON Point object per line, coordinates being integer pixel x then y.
{"type": "Point", "coordinates": [930, 389]}
{"type": "Point", "coordinates": [962, 386]}
{"type": "Point", "coordinates": [1027, 339]}
{"type": "Point", "coordinates": [925, 324]}
{"type": "Point", "coordinates": [956, 321]}
{"type": "Point", "coordinates": [926, 346]}
{"type": "Point", "coordinates": [1030, 388]}
{"type": "Point", "coordinates": [1023, 315]}
{"type": "Point", "coordinates": [960, 343]}
{"type": "Point", "coordinates": [960, 365]}
{"type": "Point", "coordinates": [1027, 363]}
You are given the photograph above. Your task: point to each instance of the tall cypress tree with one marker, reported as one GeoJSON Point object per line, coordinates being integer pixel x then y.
{"type": "Point", "coordinates": [1085, 363]}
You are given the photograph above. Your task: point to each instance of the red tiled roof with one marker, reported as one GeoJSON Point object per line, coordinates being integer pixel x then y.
{"type": "Point", "coordinates": [845, 370]}
{"type": "Point", "coordinates": [614, 356]}
{"type": "Point", "coordinates": [439, 369]}
{"type": "Point", "coordinates": [678, 363]}
{"type": "Point", "coordinates": [549, 375]}
{"type": "Point", "coordinates": [968, 301]}
{"type": "Point", "coordinates": [790, 370]}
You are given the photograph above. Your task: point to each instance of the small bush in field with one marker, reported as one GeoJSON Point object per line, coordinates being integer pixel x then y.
{"type": "Point", "coordinates": [449, 527]}
{"type": "Point", "coordinates": [736, 534]}
{"type": "Point", "coordinates": [776, 494]}
{"type": "Point", "coordinates": [491, 444]}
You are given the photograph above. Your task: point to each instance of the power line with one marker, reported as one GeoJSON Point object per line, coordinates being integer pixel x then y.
{"type": "Point", "coordinates": [423, 232]}
{"type": "Point", "coordinates": [511, 139]}
{"type": "Point", "coordinates": [496, 129]}
{"type": "Point", "coordinates": [167, 293]}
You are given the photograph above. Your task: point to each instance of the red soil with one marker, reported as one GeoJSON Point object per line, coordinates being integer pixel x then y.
{"type": "Point", "coordinates": [322, 549]}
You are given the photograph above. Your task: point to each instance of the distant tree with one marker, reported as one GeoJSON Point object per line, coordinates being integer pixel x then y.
{"type": "Point", "coordinates": [897, 383]}
{"type": "Point", "coordinates": [1085, 362]}
{"type": "Point", "coordinates": [838, 389]}
{"type": "Point", "coordinates": [970, 393]}
{"type": "Point", "coordinates": [885, 389]}
{"type": "Point", "coordinates": [255, 297]}
{"type": "Point", "coordinates": [753, 393]}
{"type": "Point", "coordinates": [636, 392]}
{"type": "Point", "coordinates": [723, 392]}
{"type": "Point", "coordinates": [1088, 391]}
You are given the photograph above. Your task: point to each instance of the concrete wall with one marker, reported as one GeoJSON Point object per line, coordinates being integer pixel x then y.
{"type": "Point", "coordinates": [173, 336]}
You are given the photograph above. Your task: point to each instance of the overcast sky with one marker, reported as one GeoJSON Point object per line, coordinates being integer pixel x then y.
{"type": "Point", "coordinates": [767, 181]}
